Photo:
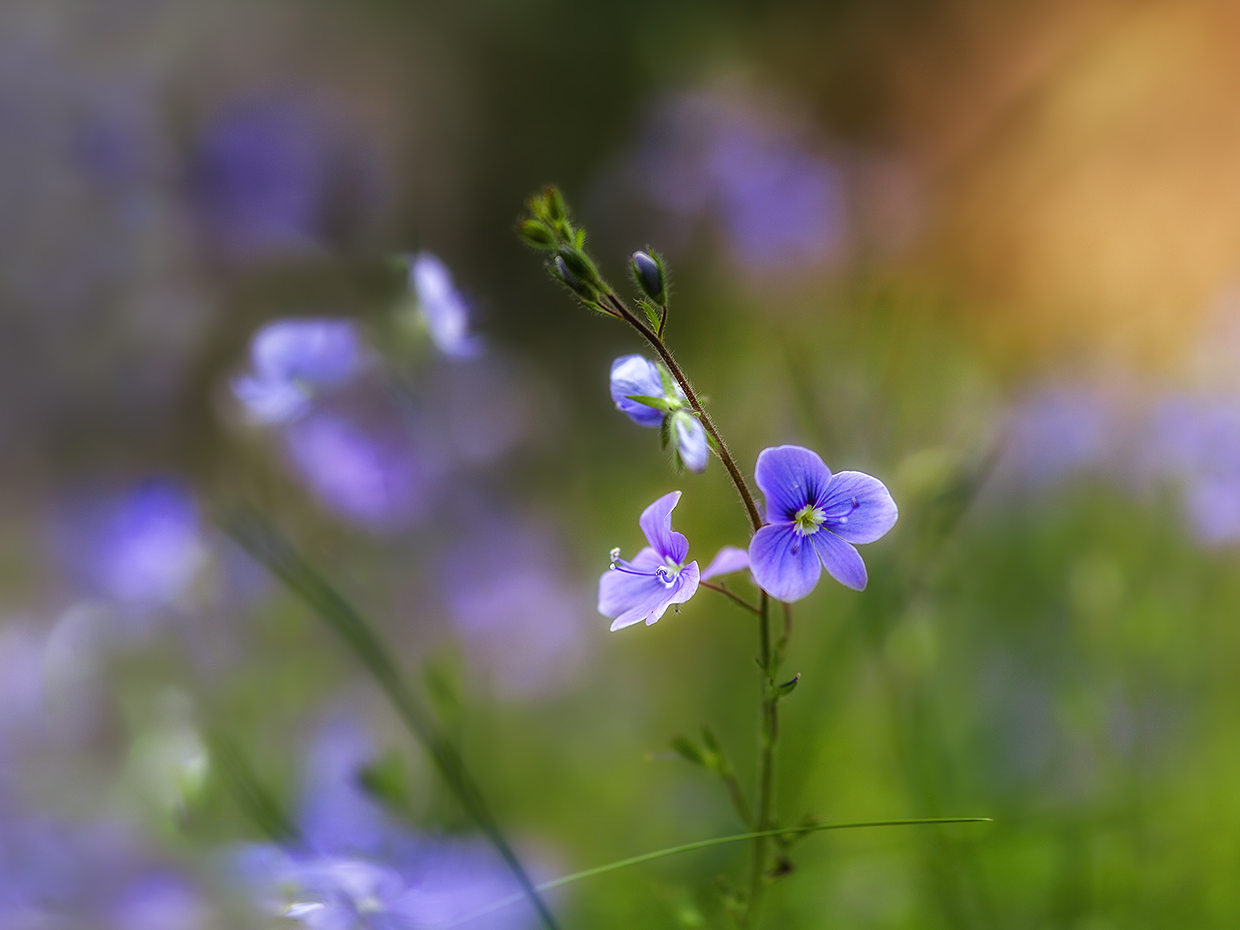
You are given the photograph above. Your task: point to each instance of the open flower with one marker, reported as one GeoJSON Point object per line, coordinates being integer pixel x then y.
{"type": "Point", "coordinates": [648, 396]}
{"type": "Point", "coordinates": [442, 308]}
{"type": "Point", "coordinates": [658, 576]}
{"type": "Point", "coordinates": [814, 520]}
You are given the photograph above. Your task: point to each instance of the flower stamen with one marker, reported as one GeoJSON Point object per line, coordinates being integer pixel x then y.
{"type": "Point", "coordinates": [808, 519]}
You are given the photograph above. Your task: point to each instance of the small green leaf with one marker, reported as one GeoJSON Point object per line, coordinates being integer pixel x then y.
{"type": "Point", "coordinates": [690, 752]}
{"type": "Point", "coordinates": [712, 744]}
{"type": "Point", "coordinates": [653, 314]}
{"type": "Point", "coordinates": [658, 403]}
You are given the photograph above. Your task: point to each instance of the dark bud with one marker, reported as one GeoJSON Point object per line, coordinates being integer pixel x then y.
{"type": "Point", "coordinates": [648, 273]}
{"type": "Point", "coordinates": [537, 234]}
{"type": "Point", "coordinates": [559, 268]}
{"type": "Point", "coordinates": [577, 262]}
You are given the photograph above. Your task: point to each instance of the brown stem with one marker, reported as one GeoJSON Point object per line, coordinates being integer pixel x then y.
{"type": "Point", "coordinates": [721, 448]}
{"type": "Point", "coordinates": [736, 597]}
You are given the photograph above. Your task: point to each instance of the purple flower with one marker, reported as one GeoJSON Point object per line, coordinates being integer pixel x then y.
{"type": "Point", "coordinates": [272, 178]}
{"type": "Point", "coordinates": [657, 577]}
{"type": "Point", "coordinates": [805, 503]}
{"type": "Point", "coordinates": [779, 203]}
{"type": "Point", "coordinates": [634, 377]}
{"type": "Point", "coordinates": [142, 547]}
{"type": "Point", "coordinates": [292, 359]}
{"type": "Point", "coordinates": [369, 477]}
{"type": "Point", "coordinates": [442, 307]}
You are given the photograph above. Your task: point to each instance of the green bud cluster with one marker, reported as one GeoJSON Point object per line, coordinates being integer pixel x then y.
{"type": "Point", "coordinates": [548, 227]}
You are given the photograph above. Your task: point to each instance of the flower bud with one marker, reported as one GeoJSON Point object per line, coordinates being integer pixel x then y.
{"type": "Point", "coordinates": [537, 234]}
{"type": "Point", "coordinates": [557, 210]}
{"type": "Point", "coordinates": [579, 264]}
{"type": "Point", "coordinates": [559, 270]}
{"type": "Point", "coordinates": [648, 273]}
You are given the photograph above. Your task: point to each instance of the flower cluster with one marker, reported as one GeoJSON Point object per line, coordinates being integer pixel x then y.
{"type": "Point", "coordinates": [814, 521]}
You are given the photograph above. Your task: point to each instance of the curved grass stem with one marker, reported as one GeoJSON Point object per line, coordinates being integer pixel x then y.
{"type": "Point", "coordinates": [786, 832]}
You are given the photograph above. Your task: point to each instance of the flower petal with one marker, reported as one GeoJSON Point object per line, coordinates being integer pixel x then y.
{"type": "Point", "coordinates": [648, 597]}
{"type": "Point", "coordinates": [783, 562]}
{"type": "Point", "coordinates": [685, 587]}
{"type": "Point", "coordinates": [656, 523]}
{"type": "Point", "coordinates": [319, 350]}
{"type": "Point", "coordinates": [270, 400]}
{"type": "Point", "coordinates": [691, 444]}
{"type": "Point", "coordinates": [790, 477]}
{"type": "Point", "coordinates": [859, 508]}
{"type": "Point", "coordinates": [729, 559]}
{"type": "Point", "coordinates": [840, 559]}
{"type": "Point", "coordinates": [443, 307]}
{"type": "Point", "coordinates": [632, 375]}
{"type": "Point", "coordinates": [619, 591]}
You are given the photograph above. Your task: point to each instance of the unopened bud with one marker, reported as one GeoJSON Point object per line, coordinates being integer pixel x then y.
{"type": "Point", "coordinates": [537, 235]}
{"type": "Point", "coordinates": [581, 266]}
{"type": "Point", "coordinates": [648, 274]}
{"type": "Point", "coordinates": [557, 210]}
{"type": "Point", "coordinates": [559, 268]}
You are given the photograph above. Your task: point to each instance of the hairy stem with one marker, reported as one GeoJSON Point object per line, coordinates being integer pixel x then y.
{"type": "Point", "coordinates": [736, 597]}
{"type": "Point", "coordinates": [721, 448]}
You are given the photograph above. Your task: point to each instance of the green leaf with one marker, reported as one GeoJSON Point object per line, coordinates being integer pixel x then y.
{"type": "Point", "coordinates": [658, 403]}
{"type": "Point", "coordinates": [691, 752]}
{"type": "Point", "coordinates": [653, 313]}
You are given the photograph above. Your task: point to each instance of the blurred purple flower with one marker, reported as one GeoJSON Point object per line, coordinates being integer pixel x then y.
{"type": "Point", "coordinates": [1060, 430]}
{"type": "Point", "coordinates": [633, 376]}
{"type": "Point", "coordinates": [521, 621]}
{"type": "Point", "coordinates": [360, 870]}
{"type": "Point", "coordinates": [293, 358]}
{"type": "Point", "coordinates": [657, 577]}
{"type": "Point", "coordinates": [272, 178]}
{"type": "Point", "coordinates": [1196, 442]}
{"type": "Point", "coordinates": [780, 205]}
{"type": "Point", "coordinates": [142, 547]}
{"type": "Point", "coordinates": [57, 874]}
{"type": "Point", "coordinates": [370, 477]}
{"type": "Point", "coordinates": [160, 901]}
{"type": "Point", "coordinates": [814, 520]}
{"type": "Point", "coordinates": [335, 815]}
{"type": "Point", "coordinates": [442, 308]}
{"type": "Point", "coordinates": [436, 883]}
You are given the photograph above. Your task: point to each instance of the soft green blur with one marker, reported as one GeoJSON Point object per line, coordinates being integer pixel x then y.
{"type": "Point", "coordinates": [1061, 658]}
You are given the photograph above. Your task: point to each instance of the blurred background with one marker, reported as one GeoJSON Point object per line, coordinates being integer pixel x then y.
{"type": "Point", "coordinates": [989, 253]}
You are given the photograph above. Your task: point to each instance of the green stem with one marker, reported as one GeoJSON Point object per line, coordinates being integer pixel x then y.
{"type": "Point", "coordinates": [263, 542]}
{"type": "Point", "coordinates": [706, 844]}
{"type": "Point", "coordinates": [769, 736]}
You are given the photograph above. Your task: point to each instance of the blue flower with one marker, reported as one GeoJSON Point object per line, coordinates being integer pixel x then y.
{"type": "Point", "coordinates": [658, 576]}
{"type": "Point", "coordinates": [633, 376]}
{"type": "Point", "coordinates": [814, 520]}
{"type": "Point", "coordinates": [442, 308]}
{"type": "Point", "coordinates": [293, 359]}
